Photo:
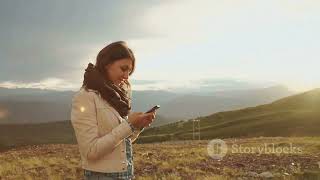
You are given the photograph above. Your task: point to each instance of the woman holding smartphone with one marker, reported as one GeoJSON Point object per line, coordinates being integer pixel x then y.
{"type": "Point", "coordinates": [103, 124]}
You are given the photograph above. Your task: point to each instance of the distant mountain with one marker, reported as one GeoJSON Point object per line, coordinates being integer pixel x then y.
{"type": "Point", "coordinates": [194, 105]}
{"type": "Point", "coordinates": [37, 106]}
{"type": "Point", "coordinates": [27, 105]}
{"type": "Point", "coordinates": [144, 100]}
{"type": "Point", "coordinates": [296, 115]}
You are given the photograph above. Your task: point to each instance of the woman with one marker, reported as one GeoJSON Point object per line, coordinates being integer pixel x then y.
{"type": "Point", "coordinates": [101, 118]}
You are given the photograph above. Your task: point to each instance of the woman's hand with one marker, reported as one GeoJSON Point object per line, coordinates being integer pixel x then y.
{"type": "Point", "coordinates": [150, 117]}
{"type": "Point", "coordinates": [140, 120]}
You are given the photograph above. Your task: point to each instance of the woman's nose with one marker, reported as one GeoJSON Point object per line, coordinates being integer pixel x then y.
{"type": "Point", "coordinates": [126, 75]}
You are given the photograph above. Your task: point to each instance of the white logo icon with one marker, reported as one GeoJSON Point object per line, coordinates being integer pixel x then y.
{"type": "Point", "coordinates": [217, 149]}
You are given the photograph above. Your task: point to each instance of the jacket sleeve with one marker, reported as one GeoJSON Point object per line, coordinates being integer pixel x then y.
{"type": "Point", "coordinates": [84, 122]}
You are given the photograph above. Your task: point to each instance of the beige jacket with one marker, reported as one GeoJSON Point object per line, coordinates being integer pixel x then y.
{"type": "Point", "coordinates": [100, 133]}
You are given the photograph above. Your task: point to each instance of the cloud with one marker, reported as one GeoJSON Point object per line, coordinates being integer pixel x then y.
{"type": "Point", "coordinates": [42, 39]}
{"type": "Point", "coordinates": [203, 85]}
{"type": "Point", "coordinates": [184, 39]}
{"type": "Point", "coordinates": [48, 83]}
{"type": "Point", "coordinates": [169, 85]}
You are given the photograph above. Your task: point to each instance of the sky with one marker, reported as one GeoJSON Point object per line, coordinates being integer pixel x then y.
{"type": "Point", "coordinates": [48, 44]}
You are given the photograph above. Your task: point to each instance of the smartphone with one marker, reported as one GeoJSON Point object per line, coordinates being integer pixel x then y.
{"type": "Point", "coordinates": [153, 109]}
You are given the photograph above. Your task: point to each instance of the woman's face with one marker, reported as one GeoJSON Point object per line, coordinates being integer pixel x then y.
{"type": "Point", "coordinates": [119, 70]}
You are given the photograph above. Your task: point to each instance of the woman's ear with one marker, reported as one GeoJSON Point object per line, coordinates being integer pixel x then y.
{"type": "Point", "coordinates": [106, 67]}
{"type": "Point", "coordinates": [106, 72]}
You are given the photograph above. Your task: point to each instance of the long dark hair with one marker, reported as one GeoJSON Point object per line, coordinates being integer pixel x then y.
{"type": "Point", "coordinates": [95, 77]}
{"type": "Point", "coordinates": [113, 52]}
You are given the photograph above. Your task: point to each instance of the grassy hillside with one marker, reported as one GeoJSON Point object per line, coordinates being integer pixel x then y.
{"type": "Point", "coordinates": [15, 135]}
{"type": "Point", "coordinates": [26, 134]}
{"type": "Point", "coordinates": [297, 115]}
{"type": "Point", "coordinates": [193, 104]}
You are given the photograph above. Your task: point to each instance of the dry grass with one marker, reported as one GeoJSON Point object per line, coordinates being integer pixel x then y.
{"type": "Point", "coordinates": [169, 160]}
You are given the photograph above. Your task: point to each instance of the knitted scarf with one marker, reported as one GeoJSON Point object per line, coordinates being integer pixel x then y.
{"type": "Point", "coordinates": [116, 96]}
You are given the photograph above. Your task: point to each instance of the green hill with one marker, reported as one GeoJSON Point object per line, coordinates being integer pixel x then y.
{"type": "Point", "coordinates": [297, 115]}
{"type": "Point", "coordinates": [60, 132]}
{"type": "Point", "coordinates": [13, 135]}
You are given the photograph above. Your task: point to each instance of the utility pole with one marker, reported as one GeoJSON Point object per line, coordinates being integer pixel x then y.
{"type": "Point", "coordinates": [193, 129]}
{"type": "Point", "coordinates": [197, 128]}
